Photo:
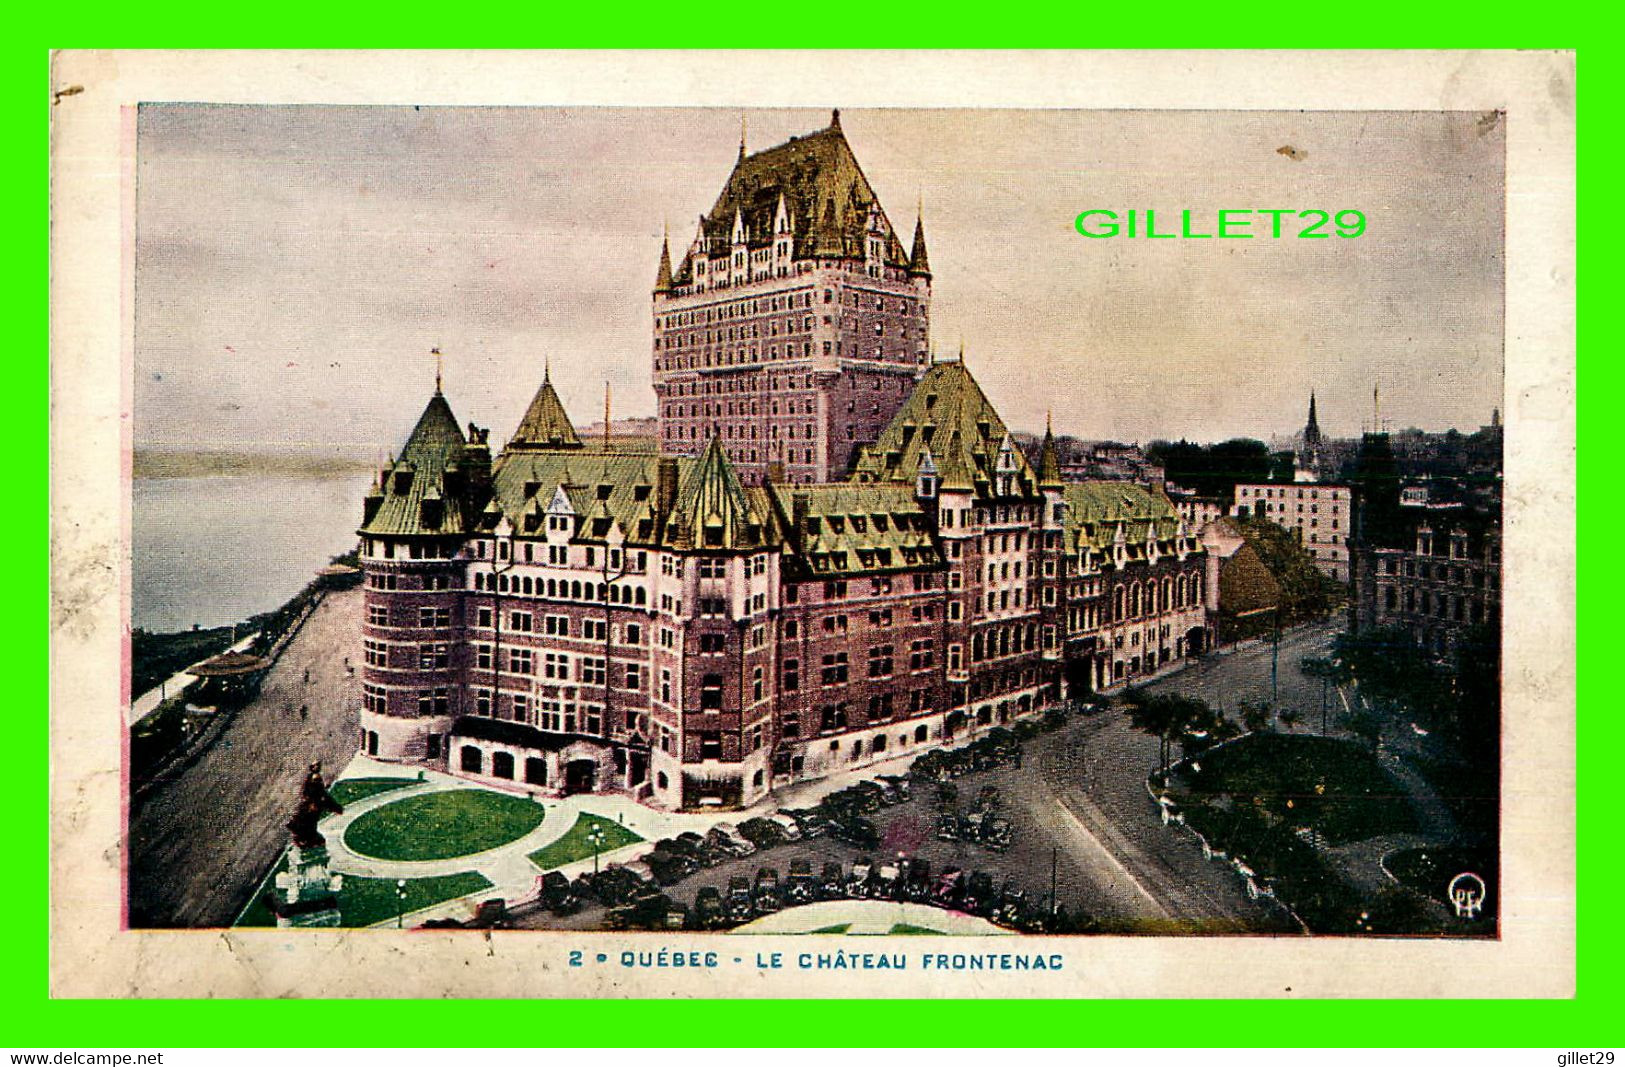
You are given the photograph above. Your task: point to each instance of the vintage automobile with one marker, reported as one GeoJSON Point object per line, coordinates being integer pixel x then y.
{"type": "Point", "coordinates": [900, 782]}
{"type": "Point", "coordinates": [831, 883]}
{"type": "Point", "coordinates": [949, 889]}
{"type": "Point", "coordinates": [857, 882]}
{"type": "Point", "coordinates": [888, 882]}
{"type": "Point", "coordinates": [918, 889]}
{"type": "Point", "coordinates": [709, 913]}
{"type": "Point", "coordinates": [948, 827]}
{"type": "Point", "coordinates": [789, 829]}
{"type": "Point", "coordinates": [996, 835]}
{"type": "Point", "coordinates": [727, 839]}
{"type": "Point", "coordinates": [979, 898]}
{"type": "Point", "coordinates": [765, 893]}
{"type": "Point", "coordinates": [856, 831]}
{"type": "Point", "coordinates": [558, 896]}
{"type": "Point", "coordinates": [740, 905]}
{"type": "Point", "coordinates": [800, 886]}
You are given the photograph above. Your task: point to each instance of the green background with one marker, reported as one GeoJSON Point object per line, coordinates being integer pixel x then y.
{"type": "Point", "coordinates": [32, 1020]}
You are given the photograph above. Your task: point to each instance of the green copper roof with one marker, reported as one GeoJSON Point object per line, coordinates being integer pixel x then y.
{"type": "Point", "coordinates": [413, 500]}
{"type": "Point", "coordinates": [545, 424]}
{"type": "Point", "coordinates": [948, 416]}
{"type": "Point", "coordinates": [918, 263]}
{"type": "Point", "coordinates": [825, 195]}
{"type": "Point", "coordinates": [713, 507]}
{"type": "Point", "coordinates": [1049, 464]}
{"type": "Point", "coordinates": [852, 528]}
{"type": "Point", "coordinates": [603, 491]}
{"type": "Point", "coordinates": [1099, 513]}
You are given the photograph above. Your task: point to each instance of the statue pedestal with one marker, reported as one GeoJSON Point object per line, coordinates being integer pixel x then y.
{"type": "Point", "coordinates": [306, 893]}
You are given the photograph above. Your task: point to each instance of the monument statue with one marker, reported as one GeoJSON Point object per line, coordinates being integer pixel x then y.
{"type": "Point", "coordinates": [314, 802]}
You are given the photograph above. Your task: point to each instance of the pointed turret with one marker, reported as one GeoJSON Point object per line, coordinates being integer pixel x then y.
{"type": "Point", "coordinates": [545, 425]}
{"type": "Point", "coordinates": [411, 497]}
{"type": "Point", "coordinates": [714, 504]}
{"type": "Point", "coordinates": [663, 275]}
{"type": "Point", "coordinates": [1049, 464]}
{"type": "Point", "coordinates": [918, 264]}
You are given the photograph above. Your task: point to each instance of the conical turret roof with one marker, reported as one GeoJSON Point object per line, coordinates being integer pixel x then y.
{"type": "Point", "coordinates": [1049, 463]}
{"type": "Point", "coordinates": [545, 424]}
{"type": "Point", "coordinates": [714, 503]}
{"type": "Point", "coordinates": [918, 263]}
{"type": "Point", "coordinates": [417, 478]}
{"type": "Point", "coordinates": [663, 275]}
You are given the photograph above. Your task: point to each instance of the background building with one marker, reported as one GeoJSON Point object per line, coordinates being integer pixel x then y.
{"type": "Point", "coordinates": [1317, 513]}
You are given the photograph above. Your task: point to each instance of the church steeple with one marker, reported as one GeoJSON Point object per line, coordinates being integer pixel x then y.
{"type": "Point", "coordinates": [1312, 438]}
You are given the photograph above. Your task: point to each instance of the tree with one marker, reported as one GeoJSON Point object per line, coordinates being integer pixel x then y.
{"type": "Point", "coordinates": [1255, 717]}
{"type": "Point", "coordinates": [1364, 723]}
{"type": "Point", "coordinates": [1165, 716]}
{"type": "Point", "coordinates": [1291, 718]}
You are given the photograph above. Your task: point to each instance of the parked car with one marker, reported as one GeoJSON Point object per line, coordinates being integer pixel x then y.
{"type": "Point", "coordinates": [726, 838]}
{"type": "Point", "coordinates": [808, 821]}
{"type": "Point", "coordinates": [669, 868]}
{"type": "Point", "coordinates": [740, 905]}
{"type": "Point", "coordinates": [857, 883]}
{"type": "Point", "coordinates": [948, 827]}
{"type": "Point", "coordinates": [1012, 902]}
{"type": "Point", "coordinates": [558, 895]}
{"type": "Point", "coordinates": [789, 829]}
{"type": "Point", "coordinates": [856, 831]}
{"type": "Point", "coordinates": [996, 835]}
{"type": "Point", "coordinates": [800, 886]}
{"type": "Point", "coordinates": [901, 783]}
{"type": "Point", "coordinates": [979, 898]}
{"type": "Point", "coordinates": [919, 885]}
{"type": "Point", "coordinates": [709, 913]}
{"type": "Point", "coordinates": [831, 885]}
{"type": "Point", "coordinates": [766, 892]}
{"type": "Point", "coordinates": [888, 881]}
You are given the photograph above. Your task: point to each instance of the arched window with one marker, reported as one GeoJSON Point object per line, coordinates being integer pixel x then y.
{"type": "Point", "coordinates": [535, 771]}
{"type": "Point", "coordinates": [473, 760]}
{"type": "Point", "coordinates": [1117, 603]}
{"type": "Point", "coordinates": [661, 780]}
{"type": "Point", "coordinates": [575, 590]}
{"type": "Point", "coordinates": [502, 765]}
{"type": "Point", "coordinates": [1134, 601]}
{"type": "Point", "coordinates": [976, 648]}
{"type": "Point", "coordinates": [641, 595]}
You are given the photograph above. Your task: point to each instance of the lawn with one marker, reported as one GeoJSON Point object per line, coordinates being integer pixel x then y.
{"type": "Point", "coordinates": [437, 826]}
{"type": "Point", "coordinates": [364, 901]}
{"type": "Point", "coordinates": [910, 928]}
{"type": "Point", "coordinates": [1328, 785]}
{"type": "Point", "coordinates": [351, 790]}
{"type": "Point", "coordinates": [574, 845]}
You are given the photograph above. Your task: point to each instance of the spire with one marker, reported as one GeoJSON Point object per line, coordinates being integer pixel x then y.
{"type": "Point", "coordinates": [715, 504]}
{"type": "Point", "coordinates": [545, 424]}
{"type": "Point", "coordinates": [663, 275]}
{"type": "Point", "coordinates": [741, 136]}
{"type": "Point", "coordinates": [1311, 430]}
{"type": "Point", "coordinates": [835, 119]}
{"type": "Point", "coordinates": [1049, 464]}
{"type": "Point", "coordinates": [436, 351]}
{"type": "Point", "coordinates": [918, 264]}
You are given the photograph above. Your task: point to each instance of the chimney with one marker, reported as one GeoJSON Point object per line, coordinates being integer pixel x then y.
{"type": "Point", "coordinates": [666, 487]}
{"type": "Point", "coordinates": [798, 515]}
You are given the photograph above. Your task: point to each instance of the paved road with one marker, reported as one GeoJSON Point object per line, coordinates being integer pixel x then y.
{"type": "Point", "coordinates": [199, 844]}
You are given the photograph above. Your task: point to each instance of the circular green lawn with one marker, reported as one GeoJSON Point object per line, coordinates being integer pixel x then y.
{"type": "Point", "coordinates": [438, 826]}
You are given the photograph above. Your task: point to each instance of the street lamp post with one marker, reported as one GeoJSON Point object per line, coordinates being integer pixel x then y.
{"type": "Point", "coordinates": [400, 895]}
{"type": "Point", "coordinates": [596, 836]}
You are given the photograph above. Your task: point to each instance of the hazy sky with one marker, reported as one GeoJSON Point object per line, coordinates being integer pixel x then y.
{"type": "Point", "coordinates": [294, 265]}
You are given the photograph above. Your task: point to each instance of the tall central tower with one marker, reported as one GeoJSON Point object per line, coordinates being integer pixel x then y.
{"type": "Point", "coordinates": [796, 323]}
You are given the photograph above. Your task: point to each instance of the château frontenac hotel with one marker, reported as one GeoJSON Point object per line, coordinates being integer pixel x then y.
{"type": "Point", "coordinates": [833, 555]}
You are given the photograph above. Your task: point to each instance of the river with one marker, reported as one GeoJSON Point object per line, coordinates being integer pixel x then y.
{"type": "Point", "coordinates": [211, 551]}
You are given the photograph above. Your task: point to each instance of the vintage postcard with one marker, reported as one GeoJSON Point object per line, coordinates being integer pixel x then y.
{"type": "Point", "coordinates": [935, 524]}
